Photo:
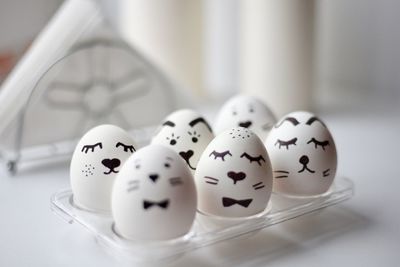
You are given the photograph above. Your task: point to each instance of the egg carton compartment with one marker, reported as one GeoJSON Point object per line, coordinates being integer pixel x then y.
{"type": "Point", "coordinates": [206, 230]}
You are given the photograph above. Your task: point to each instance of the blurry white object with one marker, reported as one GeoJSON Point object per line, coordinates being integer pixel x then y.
{"type": "Point", "coordinates": [245, 111]}
{"type": "Point", "coordinates": [78, 74]}
{"type": "Point", "coordinates": [276, 52]}
{"type": "Point", "coordinates": [303, 155]}
{"type": "Point", "coordinates": [170, 33]}
{"type": "Point", "coordinates": [97, 159]}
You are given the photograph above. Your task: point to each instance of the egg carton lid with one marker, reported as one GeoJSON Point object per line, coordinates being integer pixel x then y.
{"type": "Point", "coordinates": [77, 74]}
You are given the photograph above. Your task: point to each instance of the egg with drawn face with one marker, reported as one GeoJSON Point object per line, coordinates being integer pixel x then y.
{"type": "Point", "coordinates": [303, 155]}
{"type": "Point", "coordinates": [245, 111]}
{"type": "Point", "coordinates": [97, 159]}
{"type": "Point", "coordinates": [234, 175]}
{"type": "Point", "coordinates": [186, 132]}
{"type": "Point", "coordinates": [154, 196]}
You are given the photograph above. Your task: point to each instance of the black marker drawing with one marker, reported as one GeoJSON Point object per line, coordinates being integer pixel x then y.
{"type": "Point", "coordinates": [292, 120]}
{"type": "Point", "coordinates": [175, 181]}
{"type": "Point", "coordinates": [211, 180]}
{"type": "Point", "coordinates": [154, 177]}
{"type": "Point", "coordinates": [305, 160]}
{"type": "Point", "coordinates": [281, 174]}
{"type": "Point", "coordinates": [111, 164]}
{"type": "Point", "coordinates": [326, 173]}
{"type": "Point", "coordinates": [86, 148]}
{"type": "Point", "coordinates": [221, 155]}
{"type": "Point", "coordinates": [88, 170]}
{"type": "Point", "coordinates": [286, 143]}
{"type": "Point", "coordinates": [317, 143]}
{"type": "Point", "coordinates": [257, 159]}
{"type": "Point", "coordinates": [236, 176]}
{"type": "Point", "coordinates": [126, 147]}
{"type": "Point", "coordinates": [186, 156]}
{"type": "Point", "coordinates": [132, 185]}
{"type": "Point", "coordinates": [195, 136]}
{"type": "Point", "coordinates": [169, 123]}
{"type": "Point", "coordinates": [245, 124]}
{"type": "Point", "coordinates": [227, 202]}
{"type": "Point", "coordinates": [258, 185]}
{"type": "Point", "coordinates": [161, 204]}
{"type": "Point", "coordinates": [200, 120]}
{"type": "Point", "coordinates": [313, 119]}
{"type": "Point", "coordinates": [173, 139]}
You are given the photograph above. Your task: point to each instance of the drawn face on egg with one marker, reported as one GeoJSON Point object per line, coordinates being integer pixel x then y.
{"type": "Point", "coordinates": [154, 196]}
{"type": "Point", "coordinates": [303, 155]}
{"type": "Point", "coordinates": [248, 112]}
{"type": "Point", "coordinates": [187, 133]}
{"type": "Point", "coordinates": [234, 175]}
{"type": "Point", "coordinates": [97, 159]}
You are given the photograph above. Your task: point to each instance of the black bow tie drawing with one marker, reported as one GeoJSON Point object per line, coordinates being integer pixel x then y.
{"type": "Point", "coordinates": [162, 204]}
{"type": "Point", "coordinates": [227, 202]}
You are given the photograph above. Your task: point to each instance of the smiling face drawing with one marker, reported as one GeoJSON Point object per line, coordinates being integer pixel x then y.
{"type": "Point", "coordinates": [234, 175]}
{"type": "Point", "coordinates": [154, 196]}
{"type": "Point", "coordinates": [303, 155]}
{"type": "Point", "coordinates": [187, 133]}
{"type": "Point", "coordinates": [97, 159]}
{"type": "Point", "coordinates": [245, 111]}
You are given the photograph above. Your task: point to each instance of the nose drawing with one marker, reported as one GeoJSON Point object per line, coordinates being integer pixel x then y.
{"type": "Point", "coordinates": [186, 155]}
{"type": "Point", "coordinates": [304, 160]}
{"type": "Point", "coordinates": [245, 124]}
{"type": "Point", "coordinates": [111, 164]}
{"type": "Point", "coordinates": [154, 177]}
{"type": "Point", "coordinates": [236, 176]}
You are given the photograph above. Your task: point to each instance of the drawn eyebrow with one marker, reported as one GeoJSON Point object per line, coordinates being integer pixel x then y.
{"type": "Point", "coordinates": [169, 158]}
{"type": "Point", "coordinates": [313, 119]}
{"type": "Point", "coordinates": [168, 123]}
{"type": "Point", "coordinates": [294, 121]}
{"type": "Point", "coordinates": [198, 120]}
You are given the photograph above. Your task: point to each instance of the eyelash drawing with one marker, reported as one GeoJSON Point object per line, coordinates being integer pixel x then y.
{"type": "Point", "coordinates": [258, 185]}
{"type": "Point", "coordinates": [281, 174]}
{"type": "Point", "coordinates": [126, 147]}
{"type": "Point", "coordinates": [286, 143]}
{"type": "Point", "coordinates": [175, 181]}
{"type": "Point", "coordinates": [326, 173]}
{"type": "Point", "coordinates": [132, 185]}
{"type": "Point", "coordinates": [86, 148]}
{"type": "Point", "coordinates": [221, 155]}
{"type": "Point", "coordinates": [211, 180]}
{"type": "Point", "coordinates": [317, 143]}
{"type": "Point", "coordinates": [256, 159]}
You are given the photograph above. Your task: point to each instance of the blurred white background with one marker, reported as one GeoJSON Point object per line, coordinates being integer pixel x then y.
{"type": "Point", "coordinates": [202, 45]}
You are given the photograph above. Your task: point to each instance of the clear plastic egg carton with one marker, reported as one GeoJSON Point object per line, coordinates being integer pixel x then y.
{"type": "Point", "coordinates": [206, 230]}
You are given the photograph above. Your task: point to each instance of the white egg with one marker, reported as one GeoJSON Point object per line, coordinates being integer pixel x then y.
{"type": "Point", "coordinates": [97, 159]}
{"type": "Point", "coordinates": [303, 155]}
{"type": "Point", "coordinates": [234, 175]}
{"type": "Point", "coordinates": [186, 132]}
{"type": "Point", "coordinates": [154, 196]}
{"type": "Point", "coordinates": [245, 111]}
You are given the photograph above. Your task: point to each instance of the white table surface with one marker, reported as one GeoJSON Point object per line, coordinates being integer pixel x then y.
{"type": "Point", "coordinates": [364, 231]}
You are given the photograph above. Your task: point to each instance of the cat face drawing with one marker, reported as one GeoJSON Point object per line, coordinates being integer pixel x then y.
{"type": "Point", "coordinates": [186, 132]}
{"type": "Point", "coordinates": [154, 196]}
{"type": "Point", "coordinates": [96, 161]}
{"type": "Point", "coordinates": [303, 155]}
{"type": "Point", "coordinates": [245, 111]}
{"type": "Point", "coordinates": [234, 175]}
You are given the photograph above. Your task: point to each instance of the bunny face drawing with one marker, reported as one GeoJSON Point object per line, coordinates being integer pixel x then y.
{"type": "Point", "coordinates": [303, 155]}
{"type": "Point", "coordinates": [97, 159]}
{"type": "Point", "coordinates": [186, 132]}
{"type": "Point", "coordinates": [245, 111]}
{"type": "Point", "coordinates": [234, 175]}
{"type": "Point", "coordinates": [154, 196]}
